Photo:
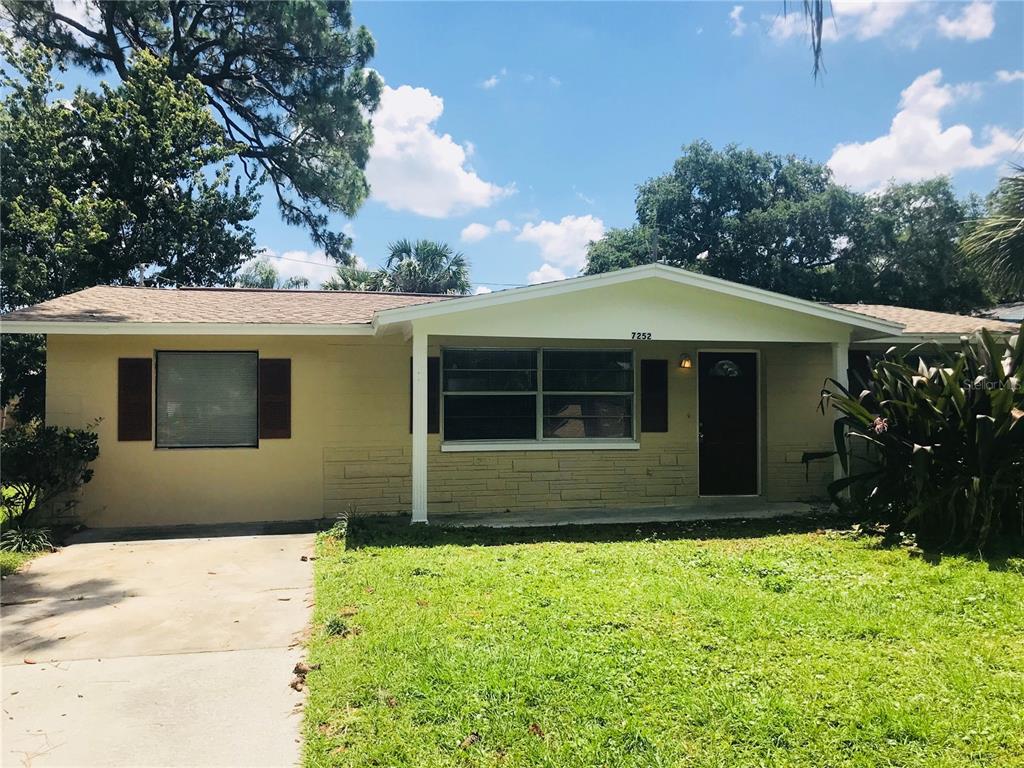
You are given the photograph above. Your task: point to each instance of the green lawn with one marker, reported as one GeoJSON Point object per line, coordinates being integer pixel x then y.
{"type": "Point", "coordinates": [12, 561]}
{"type": "Point", "coordinates": [753, 644]}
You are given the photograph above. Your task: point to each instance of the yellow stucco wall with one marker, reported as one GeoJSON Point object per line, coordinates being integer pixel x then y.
{"type": "Point", "coordinates": [350, 447]}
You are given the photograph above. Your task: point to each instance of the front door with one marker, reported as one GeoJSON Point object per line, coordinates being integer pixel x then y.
{"type": "Point", "coordinates": [727, 407]}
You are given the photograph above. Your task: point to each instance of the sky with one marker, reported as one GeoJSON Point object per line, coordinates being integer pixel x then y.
{"type": "Point", "coordinates": [518, 132]}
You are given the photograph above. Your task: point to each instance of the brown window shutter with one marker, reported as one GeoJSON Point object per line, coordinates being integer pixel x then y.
{"type": "Point", "coordinates": [654, 395]}
{"type": "Point", "coordinates": [275, 398]}
{"type": "Point", "coordinates": [134, 398]}
{"type": "Point", "coordinates": [433, 395]}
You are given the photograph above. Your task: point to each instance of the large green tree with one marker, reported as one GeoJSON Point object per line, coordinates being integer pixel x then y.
{"type": "Point", "coordinates": [287, 80]}
{"type": "Point", "coordinates": [903, 250]}
{"type": "Point", "coordinates": [757, 218]}
{"type": "Point", "coordinates": [127, 185]}
{"type": "Point", "coordinates": [783, 224]}
{"type": "Point", "coordinates": [424, 266]}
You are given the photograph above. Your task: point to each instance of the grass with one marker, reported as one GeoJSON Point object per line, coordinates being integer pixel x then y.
{"type": "Point", "coordinates": [741, 644]}
{"type": "Point", "coordinates": [11, 562]}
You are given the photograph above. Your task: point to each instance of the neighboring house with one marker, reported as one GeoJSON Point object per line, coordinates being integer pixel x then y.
{"type": "Point", "coordinates": [1010, 313]}
{"type": "Point", "coordinates": [643, 387]}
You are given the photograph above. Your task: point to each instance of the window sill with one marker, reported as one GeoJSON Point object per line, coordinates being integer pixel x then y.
{"type": "Point", "coordinates": [540, 445]}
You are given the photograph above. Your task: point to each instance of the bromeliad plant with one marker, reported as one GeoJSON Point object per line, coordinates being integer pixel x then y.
{"type": "Point", "coordinates": [944, 437]}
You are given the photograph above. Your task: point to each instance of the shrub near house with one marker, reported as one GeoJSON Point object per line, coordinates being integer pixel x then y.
{"type": "Point", "coordinates": [42, 467]}
{"type": "Point", "coordinates": [946, 437]}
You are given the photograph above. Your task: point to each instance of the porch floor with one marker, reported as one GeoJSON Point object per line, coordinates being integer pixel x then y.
{"type": "Point", "coordinates": [722, 508]}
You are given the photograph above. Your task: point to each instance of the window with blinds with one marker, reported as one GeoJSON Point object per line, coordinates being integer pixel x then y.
{"type": "Point", "coordinates": [207, 400]}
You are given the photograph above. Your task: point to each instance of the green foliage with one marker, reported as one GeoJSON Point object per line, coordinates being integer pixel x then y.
{"type": "Point", "coordinates": [112, 187]}
{"type": "Point", "coordinates": [734, 643]}
{"type": "Point", "coordinates": [903, 250]}
{"type": "Point", "coordinates": [421, 267]}
{"type": "Point", "coordinates": [621, 248]}
{"type": "Point", "coordinates": [262, 274]}
{"type": "Point", "coordinates": [11, 562]}
{"type": "Point", "coordinates": [288, 81]}
{"type": "Point", "coordinates": [349, 278]}
{"type": "Point", "coordinates": [945, 441]}
{"type": "Point", "coordinates": [25, 538]}
{"type": "Point", "coordinates": [782, 224]}
{"type": "Point", "coordinates": [43, 466]}
{"type": "Point", "coordinates": [335, 626]}
{"type": "Point", "coordinates": [995, 244]}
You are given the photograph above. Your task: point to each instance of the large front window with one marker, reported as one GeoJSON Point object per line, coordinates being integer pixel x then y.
{"type": "Point", "coordinates": [206, 399]}
{"type": "Point", "coordinates": [516, 394]}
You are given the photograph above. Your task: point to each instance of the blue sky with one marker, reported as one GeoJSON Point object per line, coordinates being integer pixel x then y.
{"type": "Point", "coordinates": [518, 131]}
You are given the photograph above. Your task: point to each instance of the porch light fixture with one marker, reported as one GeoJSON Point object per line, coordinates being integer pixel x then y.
{"type": "Point", "coordinates": [685, 361]}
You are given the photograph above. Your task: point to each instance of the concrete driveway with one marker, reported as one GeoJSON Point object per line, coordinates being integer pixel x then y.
{"type": "Point", "coordinates": [173, 652]}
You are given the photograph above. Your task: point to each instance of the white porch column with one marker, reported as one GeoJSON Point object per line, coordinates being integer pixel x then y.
{"type": "Point", "coordinates": [419, 426]}
{"type": "Point", "coordinates": [840, 365]}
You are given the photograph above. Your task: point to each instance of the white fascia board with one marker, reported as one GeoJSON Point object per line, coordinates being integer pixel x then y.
{"type": "Point", "coordinates": [921, 338]}
{"type": "Point", "coordinates": [682, 277]}
{"type": "Point", "coordinates": [100, 328]}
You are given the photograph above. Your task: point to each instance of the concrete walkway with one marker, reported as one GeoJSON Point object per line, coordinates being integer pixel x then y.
{"type": "Point", "coordinates": [172, 652]}
{"type": "Point", "coordinates": [721, 508]}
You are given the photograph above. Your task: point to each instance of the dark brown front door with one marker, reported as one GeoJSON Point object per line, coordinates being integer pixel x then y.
{"type": "Point", "coordinates": [728, 423]}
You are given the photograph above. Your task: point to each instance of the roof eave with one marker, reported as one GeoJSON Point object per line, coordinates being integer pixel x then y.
{"type": "Point", "coordinates": [922, 338]}
{"type": "Point", "coordinates": [126, 328]}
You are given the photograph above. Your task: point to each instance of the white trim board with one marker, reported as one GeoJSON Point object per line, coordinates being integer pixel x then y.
{"type": "Point", "coordinates": [106, 328]}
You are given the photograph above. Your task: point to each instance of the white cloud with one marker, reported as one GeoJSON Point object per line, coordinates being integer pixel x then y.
{"type": "Point", "coordinates": [1006, 76]}
{"type": "Point", "coordinates": [738, 24]}
{"type": "Point", "coordinates": [414, 168]}
{"type": "Point", "coordinates": [480, 289]}
{"type": "Point", "coordinates": [917, 146]}
{"type": "Point", "coordinates": [866, 20]}
{"type": "Point", "coordinates": [474, 233]}
{"type": "Point", "coordinates": [563, 245]}
{"type": "Point", "coordinates": [784, 26]}
{"type": "Point", "coordinates": [494, 79]}
{"type": "Point", "coordinates": [975, 22]}
{"type": "Point", "coordinates": [870, 19]}
{"type": "Point", "coordinates": [554, 80]}
{"type": "Point", "coordinates": [546, 274]}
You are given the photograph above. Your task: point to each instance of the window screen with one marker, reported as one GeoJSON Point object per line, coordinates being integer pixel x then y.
{"type": "Point", "coordinates": [513, 394]}
{"type": "Point", "coordinates": [490, 394]}
{"type": "Point", "coordinates": [588, 393]}
{"type": "Point", "coordinates": [206, 399]}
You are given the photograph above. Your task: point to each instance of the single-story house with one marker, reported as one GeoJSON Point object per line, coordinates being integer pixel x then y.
{"type": "Point", "coordinates": [643, 387]}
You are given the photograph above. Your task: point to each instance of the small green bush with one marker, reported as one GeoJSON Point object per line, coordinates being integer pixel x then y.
{"type": "Point", "coordinates": [945, 437]}
{"type": "Point", "coordinates": [42, 468]}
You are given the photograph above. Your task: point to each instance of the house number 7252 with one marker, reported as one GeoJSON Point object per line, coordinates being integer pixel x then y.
{"type": "Point", "coordinates": [642, 335]}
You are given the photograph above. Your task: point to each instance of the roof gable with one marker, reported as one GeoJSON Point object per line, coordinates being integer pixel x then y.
{"type": "Point", "coordinates": [688, 284]}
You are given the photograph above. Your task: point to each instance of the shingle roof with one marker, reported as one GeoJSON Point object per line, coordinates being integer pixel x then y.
{"type": "Point", "coordinates": [216, 305]}
{"type": "Point", "coordinates": [1011, 313]}
{"type": "Point", "coordinates": [920, 321]}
